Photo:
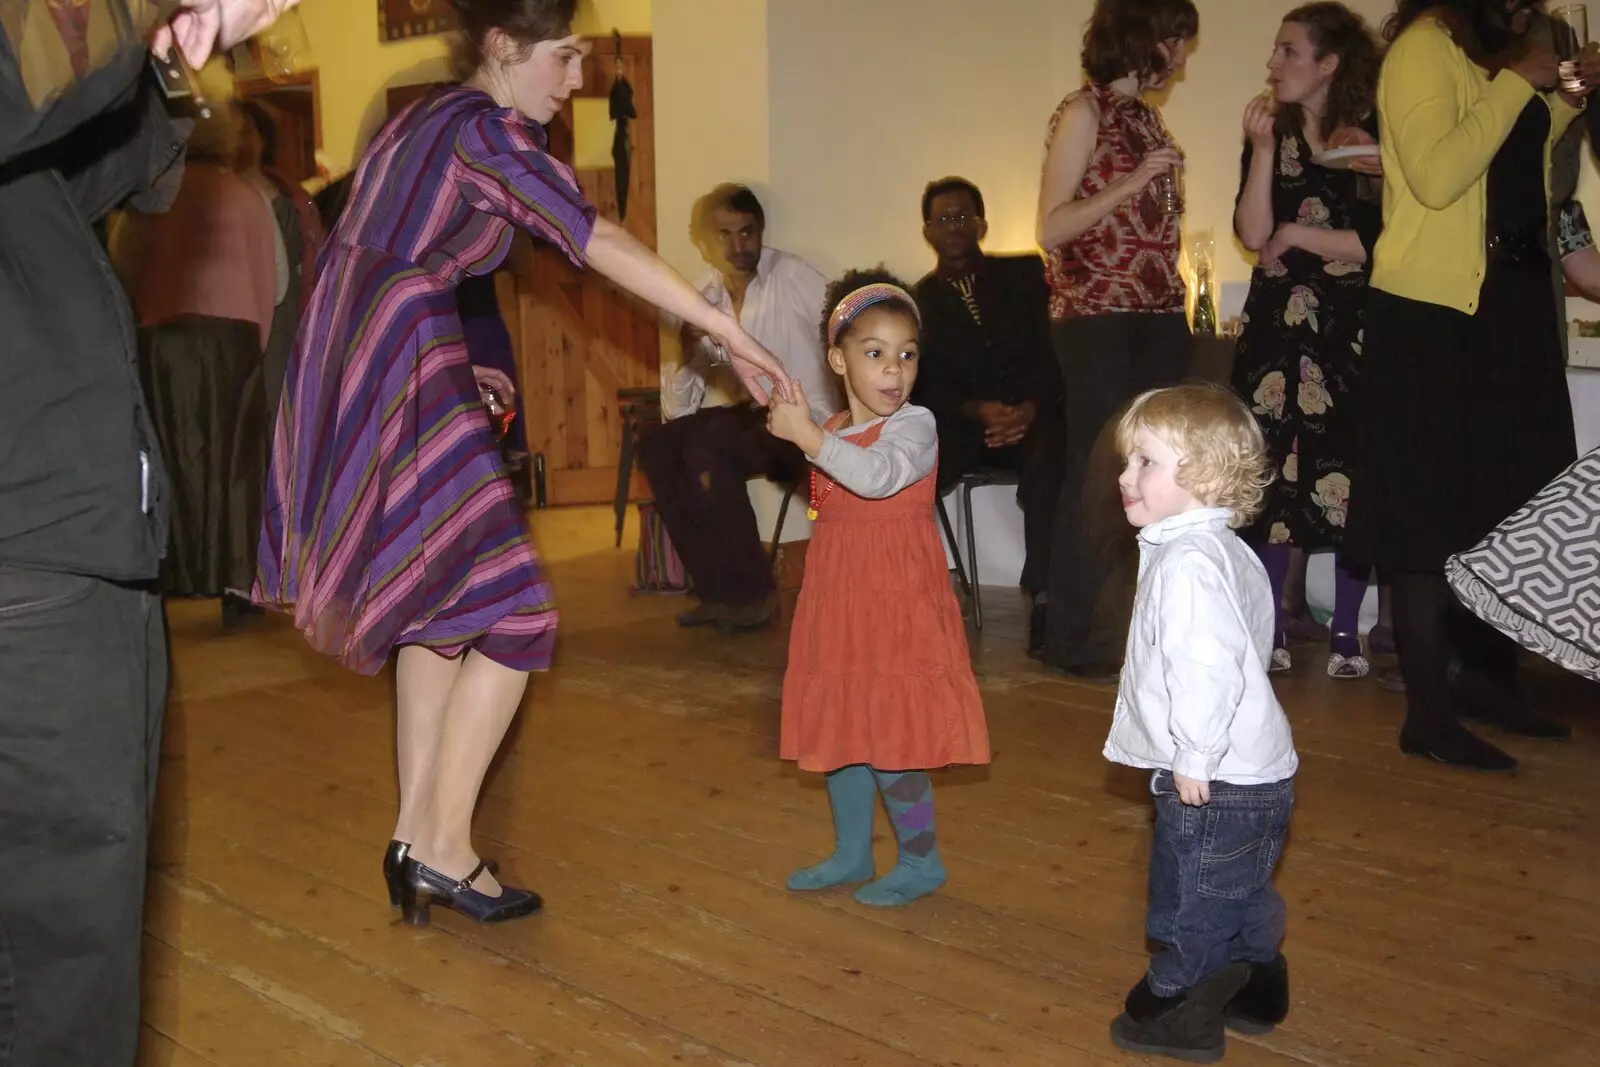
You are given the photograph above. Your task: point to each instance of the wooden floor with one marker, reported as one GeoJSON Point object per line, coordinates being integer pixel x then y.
{"type": "Point", "coordinates": [1435, 917]}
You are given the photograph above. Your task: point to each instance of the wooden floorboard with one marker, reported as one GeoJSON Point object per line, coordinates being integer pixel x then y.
{"type": "Point", "coordinates": [1435, 917]}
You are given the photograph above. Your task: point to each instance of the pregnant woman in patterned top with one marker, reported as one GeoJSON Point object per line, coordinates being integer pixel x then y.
{"type": "Point", "coordinates": [1297, 359]}
{"type": "Point", "coordinates": [390, 522]}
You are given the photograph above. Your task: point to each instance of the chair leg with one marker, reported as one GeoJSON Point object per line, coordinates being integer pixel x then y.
{"type": "Point", "coordinates": [955, 546]}
{"type": "Point", "coordinates": [972, 556]}
{"type": "Point", "coordinates": [777, 530]}
{"type": "Point", "coordinates": [624, 473]}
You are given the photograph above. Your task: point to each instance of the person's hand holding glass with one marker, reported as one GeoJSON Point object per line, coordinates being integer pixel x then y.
{"type": "Point", "coordinates": [1571, 43]}
{"type": "Point", "coordinates": [1162, 171]}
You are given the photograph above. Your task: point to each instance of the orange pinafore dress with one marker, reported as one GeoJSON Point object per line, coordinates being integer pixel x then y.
{"type": "Point", "coordinates": [879, 671]}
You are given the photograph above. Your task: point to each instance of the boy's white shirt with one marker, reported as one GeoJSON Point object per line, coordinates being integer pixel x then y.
{"type": "Point", "coordinates": [1195, 697]}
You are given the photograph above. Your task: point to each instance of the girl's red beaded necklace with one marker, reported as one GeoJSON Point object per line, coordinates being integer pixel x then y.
{"type": "Point", "coordinates": [818, 498]}
{"type": "Point", "coordinates": [833, 426]}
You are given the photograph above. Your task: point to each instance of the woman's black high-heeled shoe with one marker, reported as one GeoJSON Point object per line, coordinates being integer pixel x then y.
{"type": "Point", "coordinates": [395, 855]}
{"type": "Point", "coordinates": [423, 887]}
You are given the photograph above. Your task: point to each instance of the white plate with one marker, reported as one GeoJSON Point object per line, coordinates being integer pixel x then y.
{"type": "Point", "coordinates": [1341, 158]}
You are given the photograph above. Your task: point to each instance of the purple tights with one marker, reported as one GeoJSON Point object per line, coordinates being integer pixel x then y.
{"type": "Point", "coordinates": [1348, 592]}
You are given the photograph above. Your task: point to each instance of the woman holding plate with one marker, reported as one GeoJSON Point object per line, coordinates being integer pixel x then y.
{"type": "Point", "coordinates": [1313, 227]}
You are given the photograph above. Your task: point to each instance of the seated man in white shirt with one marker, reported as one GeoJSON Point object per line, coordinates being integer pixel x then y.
{"type": "Point", "coordinates": [698, 461]}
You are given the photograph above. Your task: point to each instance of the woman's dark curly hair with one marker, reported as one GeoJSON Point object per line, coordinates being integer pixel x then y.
{"type": "Point", "coordinates": [1480, 28]}
{"type": "Point", "coordinates": [1122, 36]}
{"type": "Point", "coordinates": [849, 283]}
{"type": "Point", "coordinates": [1334, 29]}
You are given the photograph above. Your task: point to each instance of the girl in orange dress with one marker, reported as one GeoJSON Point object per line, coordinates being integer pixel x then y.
{"type": "Point", "coordinates": [879, 686]}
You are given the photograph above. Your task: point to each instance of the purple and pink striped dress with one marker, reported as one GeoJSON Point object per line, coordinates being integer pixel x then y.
{"type": "Point", "coordinates": [389, 517]}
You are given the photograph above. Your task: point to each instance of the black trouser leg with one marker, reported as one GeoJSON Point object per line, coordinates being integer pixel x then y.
{"type": "Point", "coordinates": [83, 676]}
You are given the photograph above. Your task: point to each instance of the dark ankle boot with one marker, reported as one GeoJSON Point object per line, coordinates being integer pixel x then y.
{"type": "Point", "coordinates": [1263, 1003]}
{"type": "Point", "coordinates": [1187, 1027]}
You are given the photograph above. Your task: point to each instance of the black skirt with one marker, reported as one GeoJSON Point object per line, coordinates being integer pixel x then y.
{"type": "Point", "coordinates": [1465, 418]}
{"type": "Point", "coordinates": [203, 380]}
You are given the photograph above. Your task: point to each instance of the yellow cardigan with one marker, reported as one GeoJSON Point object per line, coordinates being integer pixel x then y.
{"type": "Point", "coordinates": [1440, 121]}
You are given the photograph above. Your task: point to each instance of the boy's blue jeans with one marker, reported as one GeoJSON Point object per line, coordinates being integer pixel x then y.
{"type": "Point", "coordinates": [1211, 897]}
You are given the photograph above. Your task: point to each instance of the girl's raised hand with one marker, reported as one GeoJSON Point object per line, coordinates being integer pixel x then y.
{"type": "Point", "coordinates": [789, 419]}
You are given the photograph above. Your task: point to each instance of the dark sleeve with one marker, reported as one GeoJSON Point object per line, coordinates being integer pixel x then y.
{"type": "Point", "coordinates": [1244, 169]}
{"type": "Point", "coordinates": [1366, 213]}
{"type": "Point", "coordinates": [132, 153]}
{"type": "Point", "coordinates": [1045, 386]}
{"type": "Point", "coordinates": [43, 100]}
{"type": "Point", "coordinates": [1591, 119]}
{"type": "Point", "coordinates": [938, 386]}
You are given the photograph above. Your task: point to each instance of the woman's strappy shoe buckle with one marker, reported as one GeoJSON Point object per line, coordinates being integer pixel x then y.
{"type": "Point", "coordinates": [423, 887]}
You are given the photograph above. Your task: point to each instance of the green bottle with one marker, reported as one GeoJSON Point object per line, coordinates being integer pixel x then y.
{"type": "Point", "coordinates": [1205, 307]}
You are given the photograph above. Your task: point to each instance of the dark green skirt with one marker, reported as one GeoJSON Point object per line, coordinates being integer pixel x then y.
{"type": "Point", "coordinates": [203, 381]}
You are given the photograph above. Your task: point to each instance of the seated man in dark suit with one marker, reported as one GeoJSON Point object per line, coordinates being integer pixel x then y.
{"type": "Point", "coordinates": [988, 372]}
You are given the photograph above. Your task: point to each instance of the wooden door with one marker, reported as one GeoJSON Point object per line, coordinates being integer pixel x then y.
{"type": "Point", "coordinates": [578, 338]}
{"type": "Point", "coordinates": [295, 107]}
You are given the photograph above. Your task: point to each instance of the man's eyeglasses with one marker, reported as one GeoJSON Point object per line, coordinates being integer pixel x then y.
{"type": "Point", "coordinates": [954, 222]}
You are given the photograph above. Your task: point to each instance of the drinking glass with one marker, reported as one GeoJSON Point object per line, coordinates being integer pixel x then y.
{"type": "Point", "coordinates": [1168, 189]}
{"type": "Point", "coordinates": [1571, 37]}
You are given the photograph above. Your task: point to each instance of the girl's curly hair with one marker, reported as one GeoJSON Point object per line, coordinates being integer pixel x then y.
{"type": "Point", "coordinates": [1225, 462]}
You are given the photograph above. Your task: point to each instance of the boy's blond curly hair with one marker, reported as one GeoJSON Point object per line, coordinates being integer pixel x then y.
{"type": "Point", "coordinates": [1224, 457]}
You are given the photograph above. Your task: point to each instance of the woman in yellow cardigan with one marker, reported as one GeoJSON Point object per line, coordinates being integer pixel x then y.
{"type": "Point", "coordinates": [1467, 412]}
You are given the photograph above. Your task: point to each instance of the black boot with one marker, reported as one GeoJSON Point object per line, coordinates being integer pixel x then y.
{"type": "Point", "coordinates": [1187, 1027]}
{"type": "Point", "coordinates": [1036, 624]}
{"type": "Point", "coordinates": [1263, 1003]}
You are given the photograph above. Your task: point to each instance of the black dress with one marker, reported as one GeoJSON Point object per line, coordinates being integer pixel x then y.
{"type": "Point", "coordinates": [1466, 417]}
{"type": "Point", "coordinates": [1297, 357]}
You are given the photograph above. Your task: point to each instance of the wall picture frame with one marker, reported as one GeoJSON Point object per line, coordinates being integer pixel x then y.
{"type": "Point", "coordinates": [401, 19]}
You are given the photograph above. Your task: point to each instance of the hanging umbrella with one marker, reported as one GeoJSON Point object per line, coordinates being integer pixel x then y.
{"type": "Point", "coordinates": [622, 111]}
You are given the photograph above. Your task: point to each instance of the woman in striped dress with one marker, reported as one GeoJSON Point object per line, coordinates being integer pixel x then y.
{"type": "Point", "coordinates": [390, 522]}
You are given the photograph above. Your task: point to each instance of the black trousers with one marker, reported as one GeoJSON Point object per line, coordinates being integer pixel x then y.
{"type": "Point", "coordinates": [697, 466]}
{"type": "Point", "coordinates": [1038, 460]}
{"type": "Point", "coordinates": [1106, 361]}
{"type": "Point", "coordinates": [83, 682]}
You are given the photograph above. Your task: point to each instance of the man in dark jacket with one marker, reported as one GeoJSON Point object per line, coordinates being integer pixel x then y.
{"type": "Point", "coordinates": [988, 372]}
{"type": "Point", "coordinates": [82, 648]}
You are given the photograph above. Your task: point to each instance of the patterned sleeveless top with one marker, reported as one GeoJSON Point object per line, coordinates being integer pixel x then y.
{"type": "Point", "coordinates": [1128, 261]}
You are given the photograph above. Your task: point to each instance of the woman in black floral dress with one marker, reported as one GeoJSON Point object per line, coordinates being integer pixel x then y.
{"type": "Point", "coordinates": [1313, 228]}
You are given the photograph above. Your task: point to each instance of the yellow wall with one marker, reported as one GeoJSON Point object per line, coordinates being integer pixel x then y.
{"type": "Point", "coordinates": [356, 68]}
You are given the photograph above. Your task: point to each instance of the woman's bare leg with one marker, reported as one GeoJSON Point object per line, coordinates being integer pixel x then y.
{"type": "Point", "coordinates": [482, 704]}
{"type": "Point", "coordinates": [423, 681]}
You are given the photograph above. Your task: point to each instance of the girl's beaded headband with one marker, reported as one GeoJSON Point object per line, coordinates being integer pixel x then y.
{"type": "Point", "coordinates": [860, 299]}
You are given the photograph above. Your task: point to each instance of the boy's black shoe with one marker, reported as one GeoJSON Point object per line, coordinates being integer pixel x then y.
{"type": "Point", "coordinates": [1187, 1027]}
{"type": "Point", "coordinates": [1263, 1003]}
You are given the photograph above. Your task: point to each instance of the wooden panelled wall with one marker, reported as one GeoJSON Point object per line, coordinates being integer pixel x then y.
{"type": "Point", "coordinates": [579, 339]}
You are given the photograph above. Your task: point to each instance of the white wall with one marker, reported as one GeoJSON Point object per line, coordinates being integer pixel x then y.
{"type": "Point", "coordinates": [872, 100]}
